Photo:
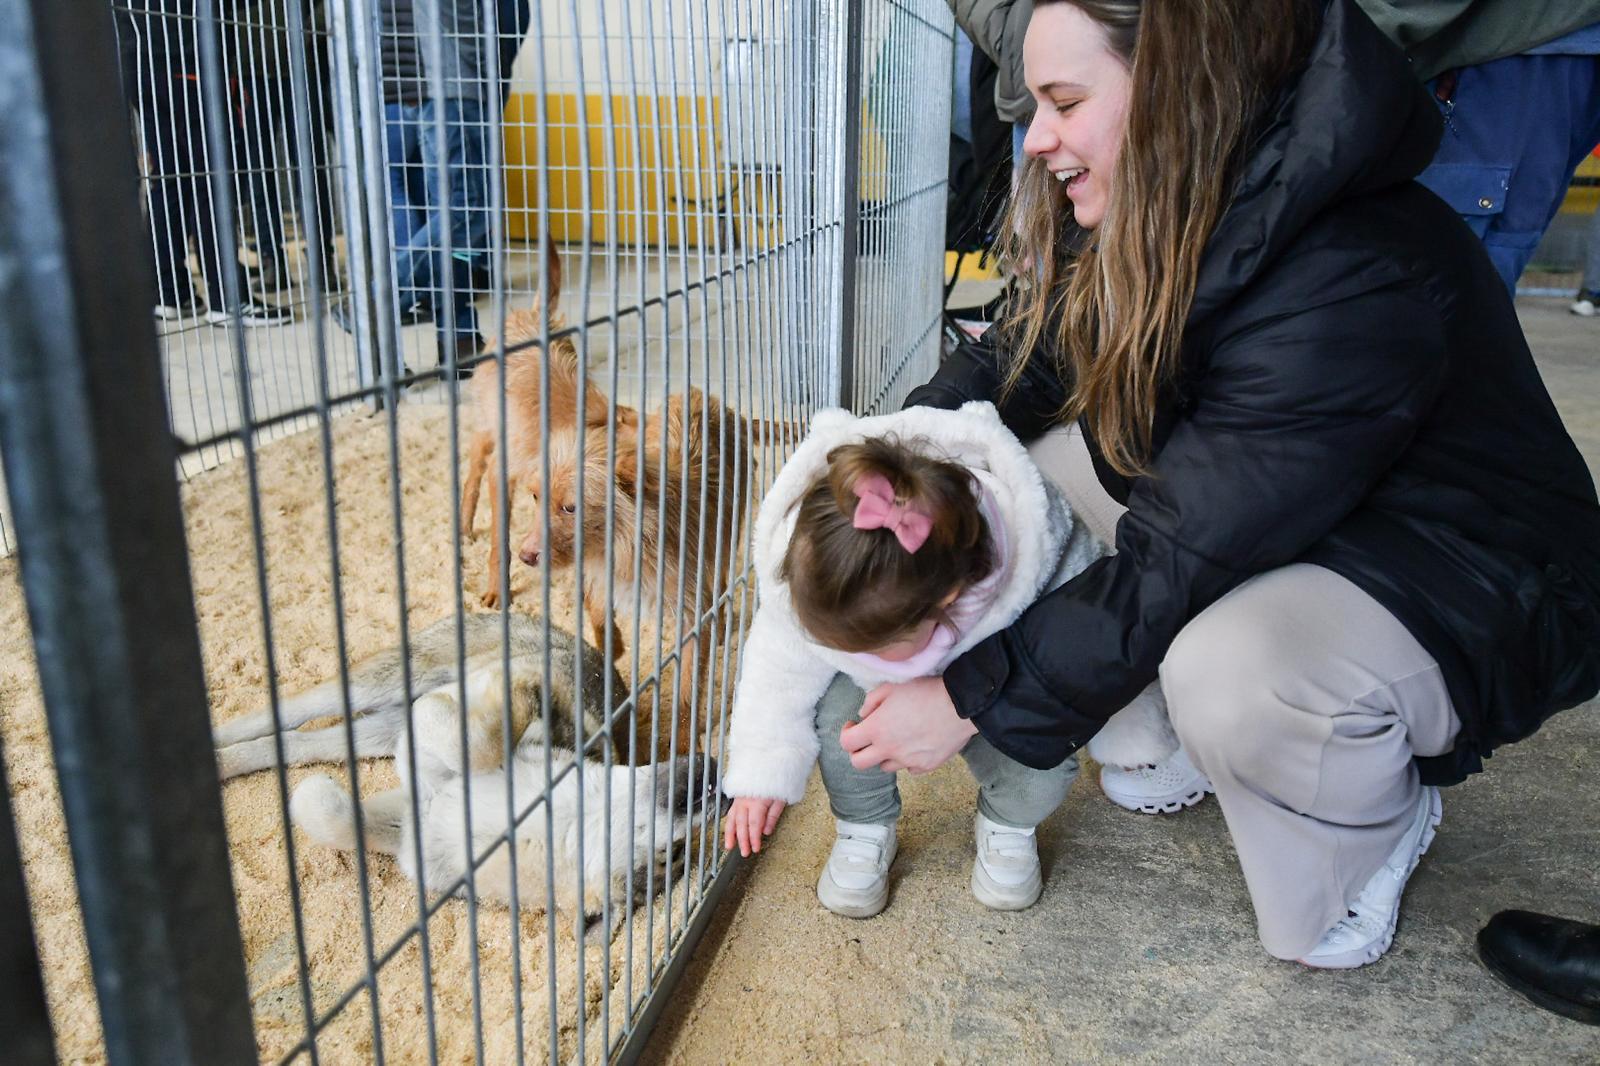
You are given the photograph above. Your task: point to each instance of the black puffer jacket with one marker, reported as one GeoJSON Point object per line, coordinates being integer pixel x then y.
{"type": "Point", "coordinates": [1356, 393]}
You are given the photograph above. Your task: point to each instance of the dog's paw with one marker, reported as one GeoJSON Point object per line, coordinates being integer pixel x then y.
{"type": "Point", "coordinates": [490, 599]}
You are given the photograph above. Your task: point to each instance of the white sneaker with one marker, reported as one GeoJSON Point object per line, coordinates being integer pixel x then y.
{"type": "Point", "coordinates": [251, 315]}
{"type": "Point", "coordinates": [1585, 306]}
{"type": "Point", "coordinates": [1366, 932]}
{"type": "Point", "coordinates": [1160, 788]}
{"type": "Point", "coordinates": [855, 883]}
{"type": "Point", "coordinates": [1005, 874]}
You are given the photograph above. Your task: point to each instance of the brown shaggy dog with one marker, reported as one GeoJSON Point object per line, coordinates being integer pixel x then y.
{"type": "Point", "coordinates": [676, 522]}
{"type": "Point", "coordinates": [520, 383]}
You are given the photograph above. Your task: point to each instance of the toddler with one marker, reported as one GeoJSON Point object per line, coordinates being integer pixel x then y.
{"type": "Point", "coordinates": [886, 547]}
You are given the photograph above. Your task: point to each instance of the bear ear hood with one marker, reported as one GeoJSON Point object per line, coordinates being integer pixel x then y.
{"type": "Point", "coordinates": [972, 435]}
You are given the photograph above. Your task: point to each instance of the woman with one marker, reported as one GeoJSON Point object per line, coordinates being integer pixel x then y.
{"type": "Point", "coordinates": [1359, 548]}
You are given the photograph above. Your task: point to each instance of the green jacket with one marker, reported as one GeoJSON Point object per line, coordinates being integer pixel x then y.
{"type": "Point", "coordinates": [997, 27]}
{"type": "Point", "coordinates": [1438, 35]}
{"type": "Point", "coordinates": [1442, 35]}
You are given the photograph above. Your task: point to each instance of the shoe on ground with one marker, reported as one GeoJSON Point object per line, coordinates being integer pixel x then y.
{"type": "Point", "coordinates": [251, 315]}
{"type": "Point", "coordinates": [176, 310]}
{"type": "Point", "coordinates": [855, 882]}
{"type": "Point", "coordinates": [1552, 961]}
{"type": "Point", "coordinates": [1005, 872]}
{"type": "Point", "coordinates": [467, 346]}
{"type": "Point", "coordinates": [1165, 787]}
{"type": "Point", "coordinates": [1367, 930]}
{"type": "Point", "coordinates": [1587, 306]}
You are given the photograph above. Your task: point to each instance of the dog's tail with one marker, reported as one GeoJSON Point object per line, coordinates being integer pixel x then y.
{"type": "Point", "coordinates": [327, 813]}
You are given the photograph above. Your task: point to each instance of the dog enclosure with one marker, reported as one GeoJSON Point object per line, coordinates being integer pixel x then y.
{"type": "Point", "coordinates": [728, 214]}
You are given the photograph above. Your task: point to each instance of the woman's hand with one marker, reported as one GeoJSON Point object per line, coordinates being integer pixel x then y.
{"type": "Point", "coordinates": [749, 819]}
{"type": "Point", "coordinates": [911, 726]}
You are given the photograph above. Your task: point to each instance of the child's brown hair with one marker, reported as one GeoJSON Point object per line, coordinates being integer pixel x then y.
{"type": "Point", "coordinates": [860, 589]}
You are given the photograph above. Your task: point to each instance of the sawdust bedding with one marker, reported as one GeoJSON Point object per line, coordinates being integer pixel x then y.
{"type": "Point", "coordinates": [216, 508]}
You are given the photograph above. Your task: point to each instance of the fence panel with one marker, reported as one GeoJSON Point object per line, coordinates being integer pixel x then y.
{"type": "Point", "coordinates": [483, 326]}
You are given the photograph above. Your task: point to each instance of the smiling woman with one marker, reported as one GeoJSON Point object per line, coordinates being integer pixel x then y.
{"type": "Point", "coordinates": [1356, 545]}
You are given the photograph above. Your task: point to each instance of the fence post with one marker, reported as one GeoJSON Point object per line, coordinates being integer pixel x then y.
{"type": "Point", "coordinates": [850, 200]}
{"type": "Point", "coordinates": [373, 363]}
{"type": "Point", "coordinates": [90, 463]}
{"type": "Point", "coordinates": [24, 1018]}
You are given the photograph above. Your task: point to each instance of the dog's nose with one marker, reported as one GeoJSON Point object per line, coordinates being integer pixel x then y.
{"type": "Point", "coordinates": [529, 556]}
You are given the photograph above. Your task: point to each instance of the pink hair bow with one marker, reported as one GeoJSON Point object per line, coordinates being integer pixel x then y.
{"type": "Point", "coordinates": [877, 509]}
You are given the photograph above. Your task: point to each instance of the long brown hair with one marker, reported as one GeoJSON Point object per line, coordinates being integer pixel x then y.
{"type": "Point", "coordinates": [1203, 73]}
{"type": "Point", "coordinates": [858, 589]}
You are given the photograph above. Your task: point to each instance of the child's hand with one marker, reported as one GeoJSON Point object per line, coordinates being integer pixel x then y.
{"type": "Point", "coordinates": [749, 819]}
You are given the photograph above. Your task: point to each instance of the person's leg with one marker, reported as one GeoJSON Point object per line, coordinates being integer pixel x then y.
{"type": "Point", "coordinates": [1304, 700]}
{"type": "Point", "coordinates": [168, 182]}
{"type": "Point", "coordinates": [1062, 455]}
{"type": "Point", "coordinates": [868, 797]}
{"type": "Point", "coordinates": [403, 168]}
{"type": "Point", "coordinates": [1014, 795]}
{"type": "Point", "coordinates": [854, 881]}
{"type": "Point", "coordinates": [1515, 129]}
{"type": "Point", "coordinates": [464, 169]}
{"type": "Point", "coordinates": [1591, 268]}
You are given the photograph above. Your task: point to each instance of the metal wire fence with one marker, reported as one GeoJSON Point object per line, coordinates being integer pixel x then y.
{"type": "Point", "coordinates": [594, 264]}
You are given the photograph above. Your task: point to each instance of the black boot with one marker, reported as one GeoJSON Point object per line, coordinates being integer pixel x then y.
{"type": "Point", "coordinates": [1552, 961]}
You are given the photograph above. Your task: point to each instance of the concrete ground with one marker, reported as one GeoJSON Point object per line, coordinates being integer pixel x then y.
{"type": "Point", "coordinates": [1143, 948]}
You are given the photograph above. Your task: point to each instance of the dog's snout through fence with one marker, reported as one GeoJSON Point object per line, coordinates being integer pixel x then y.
{"type": "Point", "coordinates": [339, 271]}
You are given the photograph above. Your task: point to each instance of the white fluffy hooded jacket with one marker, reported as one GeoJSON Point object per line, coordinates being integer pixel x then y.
{"type": "Point", "coordinates": [772, 739]}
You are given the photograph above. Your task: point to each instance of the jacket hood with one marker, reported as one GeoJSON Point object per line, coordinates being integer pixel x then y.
{"type": "Point", "coordinates": [972, 436]}
{"type": "Point", "coordinates": [1357, 120]}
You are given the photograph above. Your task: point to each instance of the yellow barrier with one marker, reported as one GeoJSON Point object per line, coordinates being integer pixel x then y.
{"type": "Point", "coordinates": [664, 179]}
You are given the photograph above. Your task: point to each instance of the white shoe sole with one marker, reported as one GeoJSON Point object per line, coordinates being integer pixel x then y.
{"type": "Point", "coordinates": [998, 897]}
{"type": "Point", "coordinates": [856, 902]}
{"type": "Point", "coordinates": [852, 903]}
{"type": "Point", "coordinates": [1171, 803]}
{"type": "Point", "coordinates": [1374, 951]}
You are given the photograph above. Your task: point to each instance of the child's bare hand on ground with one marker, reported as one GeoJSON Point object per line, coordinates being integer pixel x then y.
{"type": "Point", "coordinates": [749, 819]}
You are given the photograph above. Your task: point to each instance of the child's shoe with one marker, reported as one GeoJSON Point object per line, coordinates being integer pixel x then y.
{"type": "Point", "coordinates": [1005, 874]}
{"type": "Point", "coordinates": [855, 883]}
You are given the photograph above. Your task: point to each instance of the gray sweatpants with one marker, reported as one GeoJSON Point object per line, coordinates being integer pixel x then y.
{"type": "Point", "coordinates": [1008, 792]}
{"type": "Point", "coordinates": [1304, 700]}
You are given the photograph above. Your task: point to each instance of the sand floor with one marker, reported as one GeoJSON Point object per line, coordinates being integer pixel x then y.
{"type": "Point", "coordinates": [301, 599]}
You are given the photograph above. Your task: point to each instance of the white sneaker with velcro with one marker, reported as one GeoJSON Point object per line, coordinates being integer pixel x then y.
{"type": "Point", "coordinates": [1005, 874]}
{"type": "Point", "coordinates": [855, 882]}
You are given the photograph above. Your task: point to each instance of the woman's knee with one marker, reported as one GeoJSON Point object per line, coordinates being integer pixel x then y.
{"type": "Point", "coordinates": [1217, 678]}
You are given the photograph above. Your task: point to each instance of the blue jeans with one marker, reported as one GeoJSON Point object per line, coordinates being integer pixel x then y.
{"type": "Point", "coordinates": [422, 263]}
{"type": "Point", "coordinates": [1515, 130]}
{"type": "Point", "coordinates": [402, 144]}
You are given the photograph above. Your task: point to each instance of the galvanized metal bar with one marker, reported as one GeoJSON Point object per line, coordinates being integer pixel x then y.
{"type": "Point", "coordinates": [89, 465]}
{"type": "Point", "coordinates": [854, 30]}
{"type": "Point", "coordinates": [24, 1014]}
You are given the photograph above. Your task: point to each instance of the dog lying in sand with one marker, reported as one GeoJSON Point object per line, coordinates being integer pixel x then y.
{"type": "Point", "coordinates": [607, 825]}
{"type": "Point", "coordinates": [607, 822]}
{"type": "Point", "coordinates": [378, 698]}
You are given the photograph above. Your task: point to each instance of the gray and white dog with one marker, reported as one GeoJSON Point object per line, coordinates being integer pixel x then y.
{"type": "Point", "coordinates": [605, 822]}
{"type": "Point", "coordinates": [378, 697]}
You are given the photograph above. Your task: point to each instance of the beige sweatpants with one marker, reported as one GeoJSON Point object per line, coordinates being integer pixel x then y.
{"type": "Point", "coordinates": [1304, 700]}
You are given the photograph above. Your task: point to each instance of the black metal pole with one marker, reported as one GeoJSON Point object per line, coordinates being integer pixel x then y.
{"type": "Point", "coordinates": [90, 465]}
{"type": "Point", "coordinates": [850, 239]}
{"type": "Point", "coordinates": [24, 1018]}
